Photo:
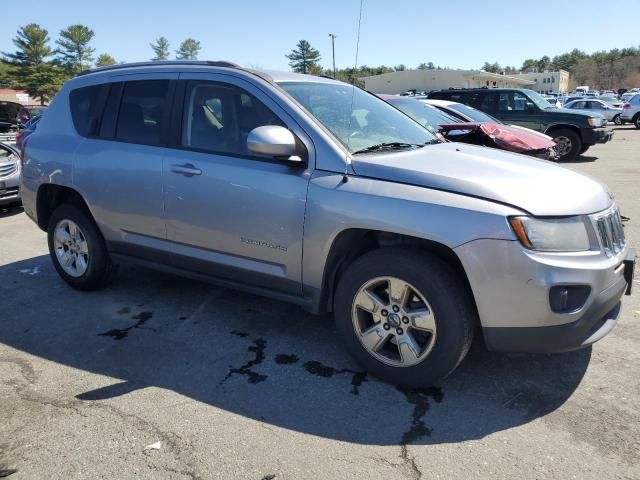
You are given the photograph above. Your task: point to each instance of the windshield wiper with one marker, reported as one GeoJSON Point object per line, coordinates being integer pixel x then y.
{"type": "Point", "coordinates": [392, 146]}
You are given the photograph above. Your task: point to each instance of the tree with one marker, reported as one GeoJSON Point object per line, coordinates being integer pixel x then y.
{"type": "Point", "coordinates": [304, 58]}
{"type": "Point", "coordinates": [161, 49]}
{"type": "Point", "coordinates": [29, 68]}
{"type": "Point", "coordinates": [74, 50]}
{"type": "Point", "coordinates": [426, 66]}
{"type": "Point", "coordinates": [492, 67]}
{"type": "Point", "coordinates": [104, 60]}
{"type": "Point", "coordinates": [529, 64]}
{"type": "Point", "coordinates": [400, 68]}
{"type": "Point", "coordinates": [188, 50]}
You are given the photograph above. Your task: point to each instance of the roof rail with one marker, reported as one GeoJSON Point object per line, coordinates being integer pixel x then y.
{"type": "Point", "coordinates": [207, 63]}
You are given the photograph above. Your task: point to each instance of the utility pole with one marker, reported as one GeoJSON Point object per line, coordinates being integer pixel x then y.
{"type": "Point", "coordinates": [333, 50]}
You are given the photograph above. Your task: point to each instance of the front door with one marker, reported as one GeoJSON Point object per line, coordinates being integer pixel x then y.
{"type": "Point", "coordinates": [231, 213]}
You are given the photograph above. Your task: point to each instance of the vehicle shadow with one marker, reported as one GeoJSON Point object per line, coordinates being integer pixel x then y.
{"type": "Point", "coordinates": [10, 210]}
{"type": "Point", "coordinates": [262, 359]}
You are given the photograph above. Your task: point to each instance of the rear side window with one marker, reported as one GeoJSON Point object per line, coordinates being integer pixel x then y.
{"type": "Point", "coordinates": [144, 112]}
{"type": "Point", "coordinates": [87, 104]}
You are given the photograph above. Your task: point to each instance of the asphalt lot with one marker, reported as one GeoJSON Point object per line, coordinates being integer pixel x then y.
{"type": "Point", "coordinates": [235, 386]}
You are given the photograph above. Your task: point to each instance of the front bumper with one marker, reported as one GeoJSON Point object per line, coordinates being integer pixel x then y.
{"type": "Point", "coordinates": [10, 189]}
{"type": "Point", "coordinates": [592, 136]}
{"type": "Point", "coordinates": [512, 289]}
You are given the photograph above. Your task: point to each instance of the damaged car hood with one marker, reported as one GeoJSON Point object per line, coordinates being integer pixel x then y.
{"type": "Point", "coordinates": [536, 186]}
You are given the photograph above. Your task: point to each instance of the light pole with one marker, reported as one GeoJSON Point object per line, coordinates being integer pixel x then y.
{"type": "Point", "coordinates": [333, 51]}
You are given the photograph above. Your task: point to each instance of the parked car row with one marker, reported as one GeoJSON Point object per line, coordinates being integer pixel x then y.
{"type": "Point", "coordinates": [459, 123]}
{"type": "Point", "coordinates": [573, 131]}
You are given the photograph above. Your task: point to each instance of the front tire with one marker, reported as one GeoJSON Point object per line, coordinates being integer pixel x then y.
{"type": "Point", "coordinates": [617, 120]}
{"type": "Point", "coordinates": [568, 144]}
{"type": "Point", "coordinates": [405, 316]}
{"type": "Point", "coordinates": [636, 120]}
{"type": "Point", "coordinates": [78, 250]}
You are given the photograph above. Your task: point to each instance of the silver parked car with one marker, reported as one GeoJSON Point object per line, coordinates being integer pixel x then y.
{"type": "Point", "coordinates": [631, 110]}
{"type": "Point", "coordinates": [316, 192]}
{"type": "Point", "coordinates": [612, 114]}
{"type": "Point", "coordinates": [9, 175]}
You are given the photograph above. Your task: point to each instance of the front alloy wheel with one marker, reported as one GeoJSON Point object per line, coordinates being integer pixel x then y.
{"type": "Point", "coordinates": [564, 145]}
{"type": "Point", "coordinates": [393, 321]}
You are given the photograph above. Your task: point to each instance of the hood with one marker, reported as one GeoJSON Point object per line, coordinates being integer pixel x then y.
{"type": "Point", "coordinates": [508, 137]}
{"type": "Point", "coordinates": [539, 187]}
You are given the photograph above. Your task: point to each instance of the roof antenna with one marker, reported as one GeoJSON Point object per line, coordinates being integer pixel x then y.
{"type": "Point", "coordinates": [345, 175]}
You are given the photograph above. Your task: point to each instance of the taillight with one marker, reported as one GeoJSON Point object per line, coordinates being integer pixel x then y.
{"type": "Point", "coordinates": [23, 151]}
{"type": "Point", "coordinates": [626, 106]}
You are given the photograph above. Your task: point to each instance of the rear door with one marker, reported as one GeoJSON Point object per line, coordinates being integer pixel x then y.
{"type": "Point", "coordinates": [231, 213]}
{"type": "Point", "coordinates": [119, 167]}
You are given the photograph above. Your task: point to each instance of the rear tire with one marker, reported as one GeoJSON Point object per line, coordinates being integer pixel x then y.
{"type": "Point", "coordinates": [430, 331]}
{"type": "Point", "coordinates": [78, 250]}
{"type": "Point", "coordinates": [568, 144]}
{"type": "Point", "coordinates": [636, 120]}
{"type": "Point", "coordinates": [584, 149]}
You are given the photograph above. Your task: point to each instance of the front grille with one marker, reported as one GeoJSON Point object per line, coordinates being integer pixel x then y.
{"type": "Point", "coordinates": [611, 232]}
{"type": "Point", "coordinates": [9, 192]}
{"type": "Point", "coordinates": [7, 169]}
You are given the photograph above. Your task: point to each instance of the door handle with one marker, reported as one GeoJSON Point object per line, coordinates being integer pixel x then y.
{"type": "Point", "coordinates": [188, 170]}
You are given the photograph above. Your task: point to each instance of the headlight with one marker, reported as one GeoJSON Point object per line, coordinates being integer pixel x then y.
{"type": "Point", "coordinates": [567, 234]}
{"type": "Point", "coordinates": [596, 121]}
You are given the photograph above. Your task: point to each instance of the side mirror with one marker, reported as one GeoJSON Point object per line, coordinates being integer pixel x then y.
{"type": "Point", "coordinates": [274, 141]}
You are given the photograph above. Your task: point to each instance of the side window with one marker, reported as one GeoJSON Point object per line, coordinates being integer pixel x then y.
{"type": "Point", "coordinates": [505, 102]}
{"type": "Point", "coordinates": [143, 112]}
{"type": "Point", "coordinates": [520, 102]}
{"type": "Point", "coordinates": [218, 118]}
{"type": "Point", "coordinates": [485, 101]}
{"type": "Point", "coordinates": [86, 105]}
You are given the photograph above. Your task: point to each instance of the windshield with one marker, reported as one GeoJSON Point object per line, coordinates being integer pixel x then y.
{"type": "Point", "coordinates": [472, 113]}
{"type": "Point", "coordinates": [538, 99]}
{"type": "Point", "coordinates": [426, 115]}
{"type": "Point", "coordinates": [370, 122]}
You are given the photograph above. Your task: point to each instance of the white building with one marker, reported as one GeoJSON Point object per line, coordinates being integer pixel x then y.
{"type": "Point", "coordinates": [427, 80]}
{"type": "Point", "coordinates": [548, 82]}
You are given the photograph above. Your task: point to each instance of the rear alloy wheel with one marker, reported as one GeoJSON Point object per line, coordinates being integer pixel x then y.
{"type": "Point", "coordinates": [78, 250]}
{"type": "Point", "coordinates": [404, 315]}
{"type": "Point", "coordinates": [617, 120]}
{"type": "Point", "coordinates": [568, 144]}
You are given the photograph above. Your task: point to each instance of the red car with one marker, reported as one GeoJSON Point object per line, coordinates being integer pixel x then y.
{"type": "Point", "coordinates": [29, 112]}
{"type": "Point", "coordinates": [489, 132]}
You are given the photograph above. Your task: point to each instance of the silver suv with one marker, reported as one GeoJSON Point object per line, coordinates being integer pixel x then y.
{"type": "Point", "coordinates": [312, 191]}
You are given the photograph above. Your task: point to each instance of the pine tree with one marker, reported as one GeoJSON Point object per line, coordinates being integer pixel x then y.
{"type": "Point", "coordinates": [304, 58]}
{"type": "Point", "coordinates": [29, 68]}
{"type": "Point", "coordinates": [74, 52]}
{"type": "Point", "coordinates": [161, 49]}
{"type": "Point", "coordinates": [188, 50]}
{"type": "Point", "coordinates": [104, 60]}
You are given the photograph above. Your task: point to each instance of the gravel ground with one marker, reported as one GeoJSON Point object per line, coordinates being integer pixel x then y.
{"type": "Point", "coordinates": [237, 386]}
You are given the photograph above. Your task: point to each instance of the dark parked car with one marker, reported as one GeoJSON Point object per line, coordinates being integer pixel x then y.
{"type": "Point", "coordinates": [29, 112]}
{"type": "Point", "coordinates": [573, 132]}
{"type": "Point", "coordinates": [8, 116]}
{"type": "Point", "coordinates": [488, 132]}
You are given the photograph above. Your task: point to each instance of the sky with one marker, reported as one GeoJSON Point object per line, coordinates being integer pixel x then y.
{"type": "Point", "coordinates": [451, 33]}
